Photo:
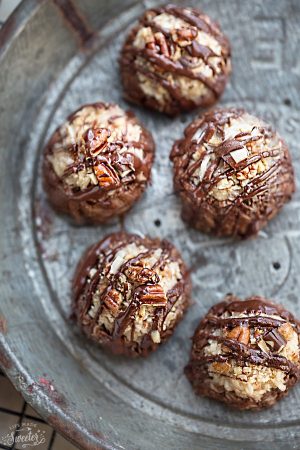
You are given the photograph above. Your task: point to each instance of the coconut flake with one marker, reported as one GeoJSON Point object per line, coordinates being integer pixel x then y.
{"type": "Point", "coordinates": [239, 155]}
{"type": "Point", "coordinates": [125, 253]}
{"type": "Point", "coordinates": [203, 167]}
{"type": "Point", "coordinates": [198, 135]}
{"type": "Point", "coordinates": [92, 272]}
{"type": "Point", "coordinates": [263, 346]}
{"type": "Point", "coordinates": [117, 262]}
{"type": "Point", "coordinates": [155, 336]}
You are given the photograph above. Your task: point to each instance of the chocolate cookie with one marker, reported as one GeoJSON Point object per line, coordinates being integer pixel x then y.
{"type": "Point", "coordinates": [130, 292]}
{"type": "Point", "coordinates": [98, 163]}
{"type": "Point", "coordinates": [233, 173]}
{"type": "Point", "coordinates": [245, 353]}
{"type": "Point", "coordinates": [174, 60]}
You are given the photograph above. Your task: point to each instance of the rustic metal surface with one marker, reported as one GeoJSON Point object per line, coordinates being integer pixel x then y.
{"type": "Point", "coordinates": [51, 62]}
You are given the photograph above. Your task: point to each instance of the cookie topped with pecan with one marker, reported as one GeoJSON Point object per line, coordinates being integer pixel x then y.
{"type": "Point", "coordinates": [233, 172]}
{"type": "Point", "coordinates": [174, 60]}
{"type": "Point", "coordinates": [130, 292]}
{"type": "Point", "coordinates": [97, 163]}
{"type": "Point", "coordinates": [245, 353]}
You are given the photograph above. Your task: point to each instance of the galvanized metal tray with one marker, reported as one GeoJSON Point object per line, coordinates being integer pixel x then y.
{"type": "Point", "coordinates": [55, 56]}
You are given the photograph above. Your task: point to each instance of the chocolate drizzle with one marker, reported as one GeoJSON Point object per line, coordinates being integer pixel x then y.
{"type": "Point", "coordinates": [257, 200]}
{"type": "Point", "coordinates": [156, 61]}
{"type": "Point", "coordinates": [132, 276]}
{"type": "Point", "coordinates": [121, 167]}
{"type": "Point", "coordinates": [220, 324]}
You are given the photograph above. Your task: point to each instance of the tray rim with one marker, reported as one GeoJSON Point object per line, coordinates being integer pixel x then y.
{"type": "Point", "coordinates": [67, 426]}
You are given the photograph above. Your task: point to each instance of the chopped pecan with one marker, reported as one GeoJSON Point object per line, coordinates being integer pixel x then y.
{"type": "Point", "coordinates": [153, 295]}
{"type": "Point", "coordinates": [241, 334]}
{"type": "Point", "coordinates": [106, 176]}
{"type": "Point", "coordinates": [221, 367]}
{"type": "Point", "coordinates": [234, 333]}
{"type": "Point", "coordinates": [140, 274]}
{"type": "Point", "coordinates": [124, 165]}
{"type": "Point", "coordinates": [96, 140]}
{"type": "Point", "coordinates": [112, 300]}
{"type": "Point", "coordinates": [184, 36]}
{"type": "Point", "coordinates": [244, 336]}
{"type": "Point", "coordinates": [121, 282]}
{"type": "Point", "coordinates": [286, 330]}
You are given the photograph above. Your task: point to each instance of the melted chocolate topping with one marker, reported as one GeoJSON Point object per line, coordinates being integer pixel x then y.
{"type": "Point", "coordinates": [260, 198]}
{"type": "Point", "coordinates": [240, 352]}
{"type": "Point", "coordinates": [159, 53]}
{"type": "Point", "coordinates": [103, 156]}
{"type": "Point", "coordinates": [147, 290]}
{"type": "Point", "coordinates": [121, 174]}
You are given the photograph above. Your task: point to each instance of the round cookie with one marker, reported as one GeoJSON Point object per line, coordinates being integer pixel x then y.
{"type": "Point", "coordinates": [175, 59]}
{"type": "Point", "coordinates": [130, 292]}
{"type": "Point", "coordinates": [245, 353]}
{"type": "Point", "coordinates": [98, 163]}
{"type": "Point", "coordinates": [233, 173]}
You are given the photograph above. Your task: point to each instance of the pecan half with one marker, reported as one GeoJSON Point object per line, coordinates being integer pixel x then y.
{"type": "Point", "coordinates": [112, 300]}
{"type": "Point", "coordinates": [153, 295]}
{"type": "Point", "coordinates": [160, 44]}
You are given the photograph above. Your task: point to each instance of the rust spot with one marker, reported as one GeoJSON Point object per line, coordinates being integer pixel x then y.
{"type": "Point", "coordinates": [48, 387]}
{"type": "Point", "coordinates": [98, 435]}
{"type": "Point", "coordinates": [3, 325]}
{"type": "Point", "coordinates": [75, 21]}
{"type": "Point", "coordinates": [75, 436]}
{"type": "Point", "coordinates": [5, 361]}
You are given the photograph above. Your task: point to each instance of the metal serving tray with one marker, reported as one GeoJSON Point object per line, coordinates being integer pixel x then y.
{"type": "Point", "coordinates": [55, 56]}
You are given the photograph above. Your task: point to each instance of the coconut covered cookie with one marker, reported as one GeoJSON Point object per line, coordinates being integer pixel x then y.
{"type": "Point", "coordinates": [175, 59]}
{"type": "Point", "coordinates": [130, 292]}
{"type": "Point", "coordinates": [98, 163]}
{"type": "Point", "coordinates": [245, 353]}
{"type": "Point", "coordinates": [233, 173]}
